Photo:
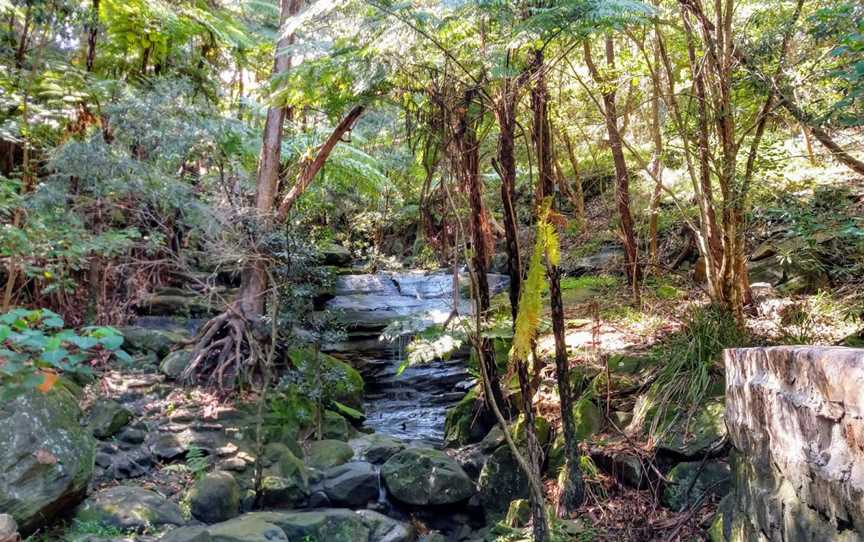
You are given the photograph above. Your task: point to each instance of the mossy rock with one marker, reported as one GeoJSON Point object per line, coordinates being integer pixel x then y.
{"type": "Point", "coordinates": [175, 363]}
{"type": "Point", "coordinates": [215, 497]}
{"type": "Point", "coordinates": [688, 482]}
{"type": "Point", "coordinates": [423, 476]}
{"type": "Point", "coordinates": [342, 382]}
{"type": "Point", "coordinates": [704, 434]}
{"type": "Point", "coordinates": [463, 425]}
{"type": "Point", "coordinates": [335, 427]}
{"type": "Point", "coordinates": [322, 525]}
{"type": "Point", "coordinates": [587, 418]}
{"type": "Point", "coordinates": [286, 479]}
{"type": "Point", "coordinates": [46, 456]}
{"type": "Point", "coordinates": [501, 481]}
{"type": "Point", "coordinates": [246, 528]}
{"type": "Point", "coordinates": [325, 454]}
{"type": "Point", "coordinates": [142, 339]}
{"type": "Point", "coordinates": [542, 430]}
{"type": "Point", "coordinates": [107, 418]}
{"type": "Point", "coordinates": [129, 508]}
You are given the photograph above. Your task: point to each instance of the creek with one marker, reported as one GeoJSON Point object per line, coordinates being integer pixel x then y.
{"type": "Point", "coordinates": [409, 403]}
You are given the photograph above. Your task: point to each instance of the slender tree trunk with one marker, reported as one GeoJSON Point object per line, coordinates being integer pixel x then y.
{"type": "Point", "coordinates": [254, 280]}
{"type": "Point", "coordinates": [573, 490]}
{"type": "Point", "coordinates": [622, 175]}
{"type": "Point", "coordinates": [467, 148]}
{"type": "Point", "coordinates": [505, 112]}
{"type": "Point", "coordinates": [539, 521]}
{"type": "Point", "coordinates": [542, 133]}
{"type": "Point", "coordinates": [656, 166]}
{"type": "Point", "coordinates": [579, 195]}
{"type": "Point", "coordinates": [92, 36]}
{"type": "Point", "coordinates": [311, 168]}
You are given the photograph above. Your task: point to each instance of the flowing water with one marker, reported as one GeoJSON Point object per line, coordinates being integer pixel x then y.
{"type": "Point", "coordinates": [411, 404]}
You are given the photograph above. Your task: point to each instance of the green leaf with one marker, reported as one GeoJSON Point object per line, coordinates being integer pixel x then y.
{"type": "Point", "coordinates": [111, 342]}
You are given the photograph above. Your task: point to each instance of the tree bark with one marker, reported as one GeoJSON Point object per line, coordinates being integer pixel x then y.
{"type": "Point", "coordinates": [92, 36]}
{"type": "Point", "coordinates": [573, 492]}
{"type": "Point", "coordinates": [505, 113]}
{"type": "Point", "coordinates": [311, 168]}
{"type": "Point", "coordinates": [622, 175]}
{"type": "Point", "coordinates": [542, 133]}
{"type": "Point", "coordinates": [250, 301]}
{"type": "Point", "coordinates": [467, 148]}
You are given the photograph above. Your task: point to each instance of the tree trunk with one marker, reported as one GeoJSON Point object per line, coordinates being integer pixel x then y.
{"type": "Point", "coordinates": [542, 133]}
{"type": "Point", "coordinates": [579, 195]}
{"type": "Point", "coordinates": [539, 521]}
{"type": "Point", "coordinates": [254, 280]}
{"type": "Point", "coordinates": [622, 175]}
{"type": "Point", "coordinates": [92, 35]}
{"type": "Point", "coordinates": [506, 167]}
{"type": "Point", "coordinates": [573, 490]}
{"type": "Point", "coordinates": [310, 169]}
{"type": "Point", "coordinates": [467, 148]}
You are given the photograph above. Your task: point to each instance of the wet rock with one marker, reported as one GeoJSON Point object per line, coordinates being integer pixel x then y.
{"type": "Point", "coordinates": [141, 339]}
{"type": "Point", "coordinates": [129, 508]}
{"type": "Point", "coordinates": [330, 524]}
{"type": "Point", "coordinates": [423, 476]}
{"type": "Point", "coordinates": [246, 528]}
{"type": "Point", "coordinates": [107, 418]}
{"type": "Point", "coordinates": [326, 454]}
{"type": "Point", "coordinates": [384, 529]}
{"type": "Point", "coordinates": [690, 482]}
{"type": "Point", "coordinates": [376, 448]}
{"type": "Point", "coordinates": [352, 484]}
{"type": "Point", "coordinates": [46, 457]}
{"type": "Point", "coordinates": [175, 363]}
{"type": "Point", "coordinates": [194, 533]}
{"type": "Point", "coordinates": [501, 481]}
{"type": "Point", "coordinates": [215, 498]}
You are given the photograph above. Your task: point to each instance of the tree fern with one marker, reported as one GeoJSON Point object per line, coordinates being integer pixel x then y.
{"type": "Point", "coordinates": [530, 300]}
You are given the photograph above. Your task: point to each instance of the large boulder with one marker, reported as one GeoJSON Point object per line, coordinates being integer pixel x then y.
{"type": "Point", "coordinates": [175, 363]}
{"type": "Point", "coordinates": [46, 457]}
{"type": "Point", "coordinates": [326, 454]}
{"type": "Point", "coordinates": [286, 479]}
{"type": "Point", "coordinates": [352, 484]}
{"type": "Point", "coordinates": [464, 424]}
{"type": "Point", "coordinates": [215, 498]}
{"type": "Point", "coordinates": [192, 533]}
{"type": "Point", "coordinates": [336, 255]}
{"type": "Point", "coordinates": [423, 476]}
{"type": "Point", "coordinates": [695, 436]}
{"type": "Point", "coordinates": [376, 448]}
{"type": "Point", "coordinates": [129, 508]}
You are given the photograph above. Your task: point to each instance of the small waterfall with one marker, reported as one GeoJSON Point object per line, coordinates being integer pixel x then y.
{"type": "Point", "coordinates": [411, 404]}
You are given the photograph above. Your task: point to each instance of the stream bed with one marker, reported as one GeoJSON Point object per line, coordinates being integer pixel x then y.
{"type": "Point", "coordinates": [412, 404]}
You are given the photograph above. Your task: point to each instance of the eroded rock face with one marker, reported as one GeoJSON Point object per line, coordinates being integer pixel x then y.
{"type": "Point", "coordinates": [796, 418]}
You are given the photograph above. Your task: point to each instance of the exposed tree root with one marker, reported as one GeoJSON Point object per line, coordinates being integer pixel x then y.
{"type": "Point", "coordinates": [226, 353]}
